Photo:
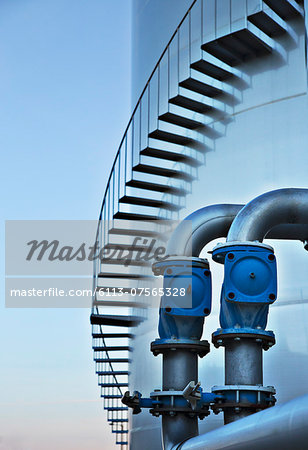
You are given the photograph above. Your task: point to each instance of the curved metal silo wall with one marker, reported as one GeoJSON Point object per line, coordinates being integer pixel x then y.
{"type": "Point", "coordinates": [260, 145]}
{"type": "Point", "coordinates": [153, 22]}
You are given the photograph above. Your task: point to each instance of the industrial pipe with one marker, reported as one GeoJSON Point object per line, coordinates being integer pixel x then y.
{"type": "Point", "coordinates": [200, 228]}
{"type": "Point", "coordinates": [213, 222]}
{"type": "Point", "coordinates": [250, 284]}
{"type": "Point", "coordinates": [188, 239]}
{"type": "Point", "coordinates": [180, 329]}
{"type": "Point", "coordinates": [180, 366]}
{"type": "Point", "coordinates": [283, 427]}
{"type": "Point", "coordinates": [258, 217]}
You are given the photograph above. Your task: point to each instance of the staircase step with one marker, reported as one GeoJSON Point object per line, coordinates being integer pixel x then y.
{"type": "Point", "coordinates": [165, 188]}
{"type": "Point", "coordinates": [117, 321]}
{"type": "Point", "coordinates": [236, 47]}
{"type": "Point", "coordinates": [122, 442]}
{"type": "Point", "coordinates": [217, 49]}
{"type": "Point", "coordinates": [118, 420]}
{"type": "Point", "coordinates": [170, 137]}
{"type": "Point", "coordinates": [121, 276]}
{"type": "Point", "coordinates": [286, 9]}
{"type": "Point", "coordinates": [112, 335]}
{"type": "Point", "coordinates": [149, 202]}
{"type": "Point", "coordinates": [184, 122]}
{"type": "Point", "coordinates": [189, 103]}
{"type": "Point", "coordinates": [119, 303]}
{"type": "Point", "coordinates": [113, 290]}
{"type": "Point", "coordinates": [162, 171]}
{"type": "Point", "coordinates": [112, 360]}
{"type": "Point", "coordinates": [113, 372]}
{"type": "Point", "coordinates": [127, 247]}
{"type": "Point", "coordinates": [118, 348]}
{"type": "Point", "coordinates": [119, 431]}
{"type": "Point", "coordinates": [211, 70]}
{"type": "Point", "coordinates": [200, 88]}
{"type": "Point", "coordinates": [111, 397]}
{"type": "Point", "coordinates": [118, 261]}
{"type": "Point", "coordinates": [134, 232]}
{"type": "Point", "coordinates": [170, 156]}
{"type": "Point", "coordinates": [269, 22]}
{"type": "Point", "coordinates": [116, 408]}
{"type": "Point", "coordinates": [133, 216]}
{"type": "Point", "coordinates": [118, 385]}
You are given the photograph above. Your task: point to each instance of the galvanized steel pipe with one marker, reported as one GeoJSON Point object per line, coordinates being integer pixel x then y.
{"type": "Point", "coordinates": [283, 427]}
{"type": "Point", "coordinates": [214, 221]}
{"type": "Point", "coordinates": [258, 217]}
{"type": "Point", "coordinates": [200, 228]}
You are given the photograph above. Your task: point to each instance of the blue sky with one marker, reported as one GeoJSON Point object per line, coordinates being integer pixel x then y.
{"type": "Point", "coordinates": [64, 104]}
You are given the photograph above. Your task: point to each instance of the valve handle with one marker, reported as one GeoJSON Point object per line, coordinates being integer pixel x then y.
{"type": "Point", "coordinates": [192, 393]}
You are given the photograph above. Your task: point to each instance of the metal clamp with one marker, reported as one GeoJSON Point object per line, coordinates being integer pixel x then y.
{"type": "Point", "coordinates": [191, 401]}
{"type": "Point", "coordinates": [136, 402]}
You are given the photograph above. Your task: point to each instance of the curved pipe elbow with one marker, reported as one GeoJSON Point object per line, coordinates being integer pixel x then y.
{"type": "Point", "coordinates": [200, 228]}
{"type": "Point", "coordinates": [258, 217]}
{"type": "Point", "coordinates": [222, 220]}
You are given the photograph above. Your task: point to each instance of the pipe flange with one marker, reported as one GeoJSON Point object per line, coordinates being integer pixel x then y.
{"type": "Point", "coordinates": [170, 403]}
{"type": "Point", "coordinates": [221, 337]}
{"type": "Point", "coordinates": [158, 346]}
{"type": "Point", "coordinates": [220, 251]}
{"type": "Point", "coordinates": [159, 267]}
{"type": "Point", "coordinates": [237, 397]}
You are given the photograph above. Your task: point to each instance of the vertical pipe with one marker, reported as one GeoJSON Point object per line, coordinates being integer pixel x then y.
{"type": "Point", "coordinates": [243, 362]}
{"type": "Point", "coordinates": [178, 429]}
{"type": "Point", "coordinates": [179, 368]}
{"type": "Point", "coordinates": [243, 366]}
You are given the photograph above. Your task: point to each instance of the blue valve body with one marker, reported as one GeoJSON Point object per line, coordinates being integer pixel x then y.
{"type": "Point", "coordinates": [187, 297]}
{"type": "Point", "coordinates": [249, 287]}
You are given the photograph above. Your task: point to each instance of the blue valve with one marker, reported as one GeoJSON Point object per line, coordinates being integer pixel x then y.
{"type": "Point", "coordinates": [250, 284]}
{"type": "Point", "coordinates": [187, 297]}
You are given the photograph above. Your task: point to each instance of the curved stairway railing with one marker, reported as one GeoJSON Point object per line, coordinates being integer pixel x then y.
{"type": "Point", "coordinates": [197, 83]}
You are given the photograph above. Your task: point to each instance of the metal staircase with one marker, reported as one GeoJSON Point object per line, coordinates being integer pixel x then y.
{"type": "Point", "coordinates": [197, 82]}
